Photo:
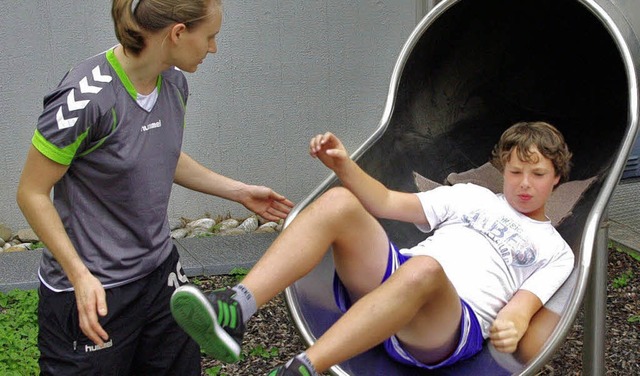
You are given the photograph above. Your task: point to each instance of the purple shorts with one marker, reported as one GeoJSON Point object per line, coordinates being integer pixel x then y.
{"type": "Point", "coordinates": [469, 344]}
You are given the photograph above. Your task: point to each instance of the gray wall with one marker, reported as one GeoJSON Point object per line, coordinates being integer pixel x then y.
{"type": "Point", "coordinates": [284, 71]}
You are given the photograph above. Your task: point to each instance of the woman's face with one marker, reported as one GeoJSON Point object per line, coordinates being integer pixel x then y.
{"type": "Point", "coordinates": [528, 185]}
{"type": "Point", "coordinates": [194, 44]}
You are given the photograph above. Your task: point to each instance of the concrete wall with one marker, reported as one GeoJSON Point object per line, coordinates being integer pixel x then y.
{"type": "Point", "coordinates": [285, 70]}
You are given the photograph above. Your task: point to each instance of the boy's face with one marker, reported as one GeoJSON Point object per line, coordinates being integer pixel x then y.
{"type": "Point", "coordinates": [528, 185]}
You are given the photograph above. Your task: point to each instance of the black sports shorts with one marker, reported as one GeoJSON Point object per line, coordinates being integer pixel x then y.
{"type": "Point", "coordinates": [144, 339]}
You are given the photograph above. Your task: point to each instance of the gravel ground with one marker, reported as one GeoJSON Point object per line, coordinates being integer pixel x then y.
{"type": "Point", "coordinates": [272, 339]}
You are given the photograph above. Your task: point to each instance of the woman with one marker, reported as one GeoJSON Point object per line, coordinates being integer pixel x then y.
{"type": "Point", "coordinates": [109, 145]}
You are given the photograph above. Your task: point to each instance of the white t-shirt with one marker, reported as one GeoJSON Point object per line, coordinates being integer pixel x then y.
{"type": "Point", "coordinates": [489, 250]}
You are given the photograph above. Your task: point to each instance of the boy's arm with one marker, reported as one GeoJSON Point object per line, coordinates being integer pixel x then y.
{"type": "Point", "coordinates": [513, 320]}
{"type": "Point", "coordinates": [380, 201]}
{"type": "Point", "coordinates": [539, 331]}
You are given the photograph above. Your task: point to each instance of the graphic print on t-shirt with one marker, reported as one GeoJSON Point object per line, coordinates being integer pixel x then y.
{"type": "Point", "coordinates": [73, 104]}
{"type": "Point", "coordinates": [505, 235]}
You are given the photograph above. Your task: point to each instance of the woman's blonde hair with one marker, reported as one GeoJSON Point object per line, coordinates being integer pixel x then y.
{"type": "Point", "coordinates": [132, 18]}
{"type": "Point", "coordinates": [525, 136]}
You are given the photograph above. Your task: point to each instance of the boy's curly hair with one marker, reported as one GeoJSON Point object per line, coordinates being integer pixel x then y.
{"type": "Point", "coordinates": [524, 136]}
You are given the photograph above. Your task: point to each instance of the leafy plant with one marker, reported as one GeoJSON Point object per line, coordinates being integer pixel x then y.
{"type": "Point", "coordinates": [19, 333]}
{"type": "Point", "coordinates": [214, 371]}
{"type": "Point", "coordinates": [263, 352]}
{"type": "Point", "coordinates": [36, 245]}
{"type": "Point", "coordinates": [633, 319]}
{"type": "Point", "coordinates": [623, 279]}
{"type": "Point", "coordinates": [238, 273]}
{"type": "Point", "coordinates": [623, 249]}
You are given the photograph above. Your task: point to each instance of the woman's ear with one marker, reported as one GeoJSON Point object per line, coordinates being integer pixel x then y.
{"type": "Point", "coordinates": [176, 32]}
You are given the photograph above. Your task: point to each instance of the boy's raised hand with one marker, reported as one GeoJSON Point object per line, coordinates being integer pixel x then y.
{"type": "Point", "coordinates": [328, 148]}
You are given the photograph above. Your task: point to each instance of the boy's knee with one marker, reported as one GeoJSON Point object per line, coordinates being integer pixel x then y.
{"type": "Point", "coordinates": [338, 194]}
{"type": "Point", "coordinates": [424, 273]}
{"type": "Point", "coordinates": [339, 200]}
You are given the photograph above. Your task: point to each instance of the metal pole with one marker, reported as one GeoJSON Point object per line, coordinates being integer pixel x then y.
{"type": "Point", "coordinates": [595, 307]}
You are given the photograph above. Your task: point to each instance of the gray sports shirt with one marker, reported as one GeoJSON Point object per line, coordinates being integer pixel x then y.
{"type": "Point", "coordinates": [122, 159]}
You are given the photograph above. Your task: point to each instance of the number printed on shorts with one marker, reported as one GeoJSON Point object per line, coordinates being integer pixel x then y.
{"type": "Point", "coordinates": [176, 277]}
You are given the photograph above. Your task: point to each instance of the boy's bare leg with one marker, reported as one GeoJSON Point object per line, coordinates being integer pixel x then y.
{"type": "Point", "coordinates": [360, 245]}
{"type": "Point", "coordinates": [336, 219]}
{"type": "Point", "coordinates": [418, 303]}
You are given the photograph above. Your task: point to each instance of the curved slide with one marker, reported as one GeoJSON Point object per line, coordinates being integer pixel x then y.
{"type": "Point", "coordinates": [469, 70]}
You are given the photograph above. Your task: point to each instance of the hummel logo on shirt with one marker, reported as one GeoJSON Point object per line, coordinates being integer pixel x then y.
{"type": "Point", "coordinates": [151, 126]}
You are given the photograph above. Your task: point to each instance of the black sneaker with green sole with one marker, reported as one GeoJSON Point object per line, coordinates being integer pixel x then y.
{"type": "Point", "coordinates": [213, 321]}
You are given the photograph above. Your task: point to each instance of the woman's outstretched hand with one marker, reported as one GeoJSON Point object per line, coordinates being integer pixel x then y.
{"type": "Point", "coordinates": [267, 203]}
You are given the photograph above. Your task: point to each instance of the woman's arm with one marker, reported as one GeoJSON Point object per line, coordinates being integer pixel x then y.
{"type": "Point", "coordinates": [259, 199]}
{"type": "Point", "coordinates": [38, 178]}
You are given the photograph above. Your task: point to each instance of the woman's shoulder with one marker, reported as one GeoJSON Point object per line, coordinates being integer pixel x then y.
{"type": "Point", "coordinates": [91, 72]}
{"type": "Point", "coordinates": [87, 83]}
{"type": "Point", "coordinates": [174, 76]}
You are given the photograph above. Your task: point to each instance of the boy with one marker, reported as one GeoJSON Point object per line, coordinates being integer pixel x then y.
{"type": "Point", "coordinates": [490, 265]}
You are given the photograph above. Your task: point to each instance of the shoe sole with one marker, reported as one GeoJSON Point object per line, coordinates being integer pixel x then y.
{"type": "Point", "coordinates": [193, 312]}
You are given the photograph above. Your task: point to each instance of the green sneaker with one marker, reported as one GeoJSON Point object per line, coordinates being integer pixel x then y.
{"type": "Point", "coordinates": [293, 368]}
{"type": "Point", "coordinates": [214, 321]}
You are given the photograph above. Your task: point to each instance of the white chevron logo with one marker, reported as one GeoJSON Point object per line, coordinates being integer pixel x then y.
{"type": "Point", "coordinates": [73, 104]}
{"type": "Point", "coordinates": [86, 88]}
{"type": "Point", "coordinates": [64, 123]}
{"type": "Point", "coordinates": [97, 75]}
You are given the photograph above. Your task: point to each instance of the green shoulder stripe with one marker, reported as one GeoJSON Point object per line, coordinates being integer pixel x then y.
{"type": "Point", "coordinates": [64, 155]}
{"type": "Point", "coordinates": [99, 143]}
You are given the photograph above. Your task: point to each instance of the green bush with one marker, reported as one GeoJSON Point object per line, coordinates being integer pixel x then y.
{"type": "Point", "coordinates": [19, 333]}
